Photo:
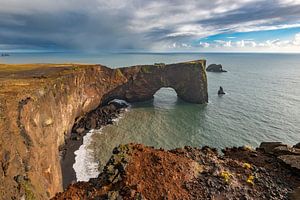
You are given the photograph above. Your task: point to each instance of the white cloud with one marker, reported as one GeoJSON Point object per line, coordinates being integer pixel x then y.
{"type": "Point", "coordinates": [297, 39]}
{"type": "Point", "coordinates": [289, 2]}
{"type": "Point", "coordinates": [204, 44]}
{"type": "Point", "coordinates": [240, 43]}
{"type": "Point", "coordinates": [292, 45]}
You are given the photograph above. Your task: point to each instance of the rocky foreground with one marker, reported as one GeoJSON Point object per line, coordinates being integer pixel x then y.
{"type": "Point", "coordinates": [139, 172]}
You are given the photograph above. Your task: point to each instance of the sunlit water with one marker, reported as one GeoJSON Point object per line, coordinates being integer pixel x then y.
{"type": "Point", "coordinates": [262, 103]}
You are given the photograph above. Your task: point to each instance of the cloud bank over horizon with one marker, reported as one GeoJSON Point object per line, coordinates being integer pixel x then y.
{"type": "Point", "coordinates": [158, 25]}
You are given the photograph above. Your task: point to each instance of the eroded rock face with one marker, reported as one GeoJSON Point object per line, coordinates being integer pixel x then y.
{"type": "Point", "coordinates": [187, 79]}
{"type": "Point", "coordinates": [40, 103]}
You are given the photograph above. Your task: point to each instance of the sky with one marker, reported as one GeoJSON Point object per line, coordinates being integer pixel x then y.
{"type": "Point", "coordinates": [150, 25]}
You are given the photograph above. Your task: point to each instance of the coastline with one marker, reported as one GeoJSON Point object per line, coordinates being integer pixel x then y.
{"type": "Point", "coordinates": [108, 114]}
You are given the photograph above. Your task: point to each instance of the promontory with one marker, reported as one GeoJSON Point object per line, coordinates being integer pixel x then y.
{"type": "Point", "coordinates": [39, 104]}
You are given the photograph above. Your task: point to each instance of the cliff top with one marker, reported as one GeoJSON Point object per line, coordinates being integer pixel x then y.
{"type": "Point", "coordinates": [20, 79]}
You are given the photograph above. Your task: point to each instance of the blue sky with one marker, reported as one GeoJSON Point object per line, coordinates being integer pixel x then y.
{"type": "Point", "coordinates": [258, 36]}
{"type": "Point", "coordinates": [150, 25]}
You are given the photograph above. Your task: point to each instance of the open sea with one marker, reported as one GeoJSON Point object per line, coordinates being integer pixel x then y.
{"type": "Point", "coordinates": [262, 103]}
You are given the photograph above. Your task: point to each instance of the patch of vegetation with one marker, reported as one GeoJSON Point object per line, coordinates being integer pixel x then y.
{"type": "Point", "coordinates": [160, 65]}
{"type": "Point", "coordinates": [76, 68]}
{"type": "Point", "coordinates": [248, 148]}
{"type": "Point", "coordinates": [26, 185]}
{"type": "Point", "coordinates": [226, 176]}
{"type": "Point", "coordinates": [204, 77]}
{"type": "Point", "coordinates": [247, 166]}
{"type": "Point", "coordinates": [146, 69]}
{"type": "Point", "coordinates": [250, 180]}
{"type": "Point", "coordinates": [118, 73]}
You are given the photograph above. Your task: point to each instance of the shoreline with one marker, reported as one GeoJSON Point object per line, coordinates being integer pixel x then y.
{"type": "Point", "coordinates": [95, 119]}
{"type": "Point", "coordinates": [68, 160]}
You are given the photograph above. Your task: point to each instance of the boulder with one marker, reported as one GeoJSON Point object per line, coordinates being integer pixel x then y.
{"type": "Point", "coordinates": [268, 147]}
{"type": "Point", "coordinates": [215, 68]}
{"type": "Point", "coordinates": [297, 145]}
{"type": "Point", "coordinates": [80, 130]}
{"type": "Point", "coordinates": [292, 160]}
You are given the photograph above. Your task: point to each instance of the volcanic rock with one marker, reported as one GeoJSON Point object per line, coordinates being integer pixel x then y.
{"type": "Point", "coordinates": [215, 68]}
{"type": "Point", "coordinates": [221, 91]}
{"type": "Point", "coordinates": [136, 171]}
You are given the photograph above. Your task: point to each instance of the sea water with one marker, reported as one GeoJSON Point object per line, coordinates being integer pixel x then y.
{"type": "Point", "coordinates": [262, 103]}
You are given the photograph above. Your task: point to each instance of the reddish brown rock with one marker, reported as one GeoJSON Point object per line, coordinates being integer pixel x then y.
{"type": "Point", "coordinates": [138, 172]}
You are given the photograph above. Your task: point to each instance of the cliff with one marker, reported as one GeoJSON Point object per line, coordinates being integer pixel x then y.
{"type": "Point", "coordinates": [40, 103]}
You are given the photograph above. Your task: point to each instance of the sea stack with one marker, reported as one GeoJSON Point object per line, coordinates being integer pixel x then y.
{"type": "Point", "coordinates": [221, 91]}
{"type": "Point", "coordinates": [215, 68]}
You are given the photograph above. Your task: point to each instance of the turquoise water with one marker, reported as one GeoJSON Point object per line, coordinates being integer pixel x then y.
{"type": "Point", "coordinates": [262, 103]}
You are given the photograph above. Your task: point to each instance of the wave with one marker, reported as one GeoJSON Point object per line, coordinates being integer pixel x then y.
{"type": "Point", "coordinates": [85, 165]}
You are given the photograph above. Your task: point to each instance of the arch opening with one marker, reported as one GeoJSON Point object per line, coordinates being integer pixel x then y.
{"type": "Point", "coordinates": [165, 97]}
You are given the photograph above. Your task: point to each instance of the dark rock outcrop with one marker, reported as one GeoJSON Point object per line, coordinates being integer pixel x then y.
{"type": "Point", "coordinates": [215, 68]}
{"type": "Point", "coordinates": [95, 119]}
{"type": "Point", "coordinates": [39, 104]}
{"type": "Point", "coordinates": [138, 172]}
{"type": "Point", "coordinates": [221, 91]}
{"type": "Point", "coordinates": [287, 154]}
{"type": "Point", "coordinates": [297, 145]}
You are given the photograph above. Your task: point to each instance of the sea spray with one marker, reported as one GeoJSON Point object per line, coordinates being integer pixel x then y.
{"type": "Point", "coordinates": [86, 166]}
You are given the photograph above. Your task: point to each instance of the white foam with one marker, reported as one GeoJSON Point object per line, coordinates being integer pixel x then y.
{"type": "Point", "coordinates": [85, 165]}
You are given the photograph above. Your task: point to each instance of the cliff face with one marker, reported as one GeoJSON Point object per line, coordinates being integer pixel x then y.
{"type": "Point", "coordinates": [187, 79]}
{"type": "Point", "coordinates": [39, 104]}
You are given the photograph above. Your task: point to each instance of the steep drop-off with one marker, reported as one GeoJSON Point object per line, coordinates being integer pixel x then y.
{"type": "Point", "coordinates": [40, 103]}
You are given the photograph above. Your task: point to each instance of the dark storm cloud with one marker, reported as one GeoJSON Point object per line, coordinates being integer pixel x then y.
{"type": "Point", "coordinates": [273, 13]}
{"type": "Point", "coordinates": [134, 24]}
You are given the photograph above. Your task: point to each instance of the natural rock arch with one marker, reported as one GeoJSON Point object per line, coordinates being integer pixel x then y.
{"type": "Point", "coordinates": [40, 103]}
{"type": "Point", "coordinates": [142, 82]}
{"type": "Point", "coordinates": [165, 92]}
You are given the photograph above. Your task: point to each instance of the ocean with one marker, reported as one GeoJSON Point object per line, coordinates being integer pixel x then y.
{"type": "Point", "coordinates": [262, 103]}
